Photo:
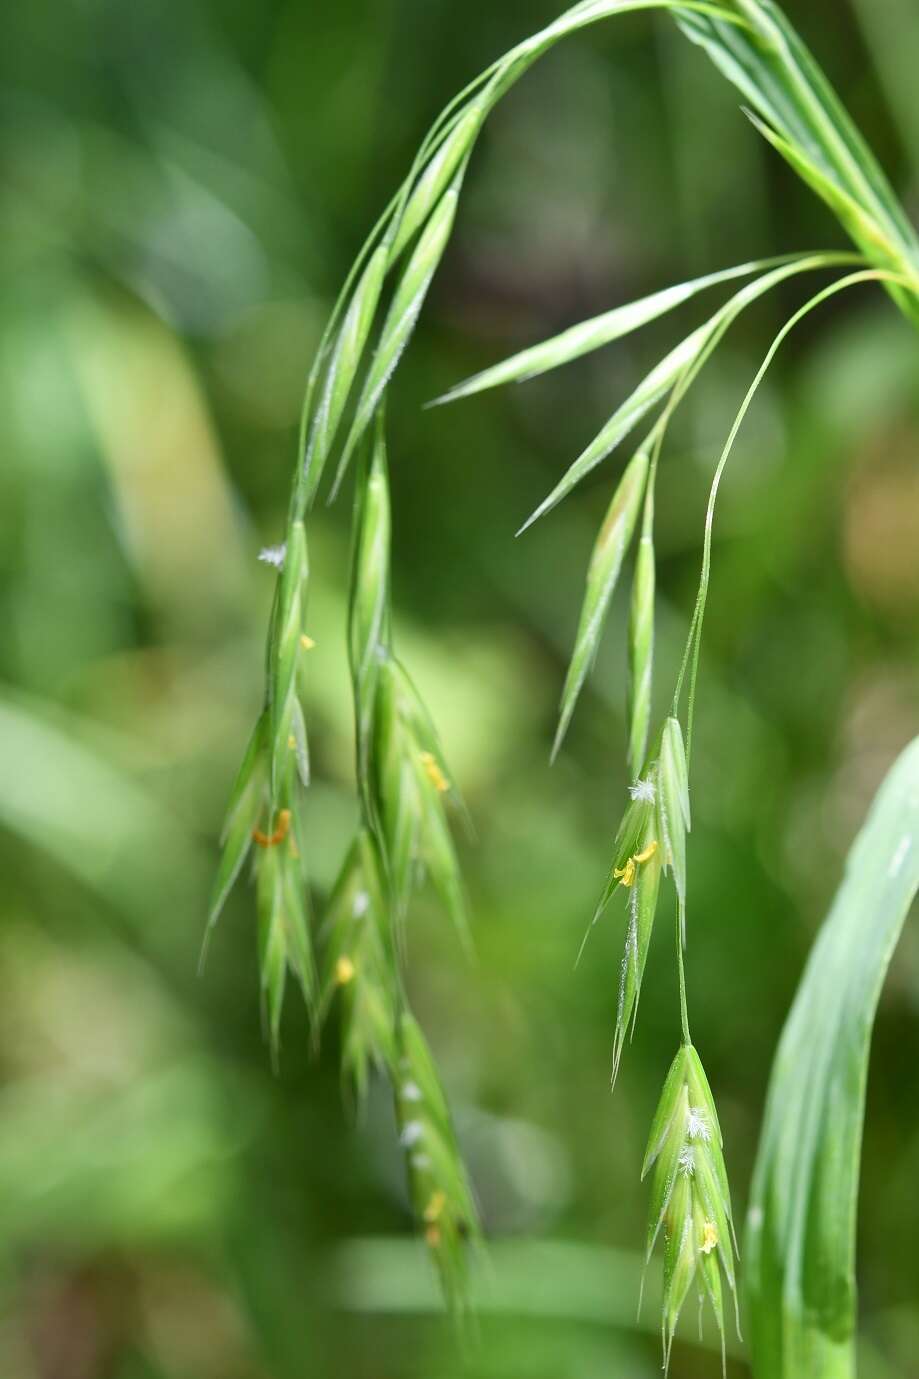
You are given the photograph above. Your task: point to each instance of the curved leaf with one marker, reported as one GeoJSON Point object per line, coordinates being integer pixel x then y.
{"type": "Point", "coordinates": [800, 1240]}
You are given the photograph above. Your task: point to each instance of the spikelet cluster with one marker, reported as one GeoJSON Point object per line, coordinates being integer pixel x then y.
{"type": "Point", "coordinates": [690, 1198]}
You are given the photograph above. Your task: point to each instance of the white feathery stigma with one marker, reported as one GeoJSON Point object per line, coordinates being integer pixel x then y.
{"type": "Point", "coordinates": [687, 1161]}
{"type": "Point", "coordinates": [697, 1125]}
{"type": "Point", "coordinates": [273, 555]}
{"type": "Point", "coordinates": [642, 791]}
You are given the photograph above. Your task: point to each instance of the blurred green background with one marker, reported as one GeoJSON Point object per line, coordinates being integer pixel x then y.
{"type": "Point", "coordinates": [184, 186]}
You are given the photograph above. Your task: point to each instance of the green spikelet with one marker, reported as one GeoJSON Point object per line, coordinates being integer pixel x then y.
{"type": "Point", "coordinates": [441, 1195]}
{"type": "Point", "coordinates": [602, 575]}
{"type": "Point", "coordinates": [641, 640]}
{"type": "Point", "coordinates": [690, 1200]}
{"type": "Point", "coordinates": [359, 964]}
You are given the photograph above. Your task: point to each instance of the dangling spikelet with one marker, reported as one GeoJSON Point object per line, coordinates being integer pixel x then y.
{"type": "Point", "coordinates": [690, 1199]}
{"type": "Point", "coordinates": [441, 1195]}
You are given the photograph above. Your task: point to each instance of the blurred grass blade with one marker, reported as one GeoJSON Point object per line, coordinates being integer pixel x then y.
{"type": "Point", "coordinates": [800, 1241]}
{"type": "Point", "coordinates": [601, 330]}
{"type": "Point", "coordinates": [602, 575]}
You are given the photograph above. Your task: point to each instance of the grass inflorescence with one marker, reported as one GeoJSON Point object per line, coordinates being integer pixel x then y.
{"type": "Point", "coordinates": [406, 791]}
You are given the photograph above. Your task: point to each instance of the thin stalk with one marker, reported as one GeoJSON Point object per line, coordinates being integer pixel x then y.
{"type": "Point", "coordinates": [681, 969]}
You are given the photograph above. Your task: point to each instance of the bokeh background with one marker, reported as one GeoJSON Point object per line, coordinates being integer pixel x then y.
{"type": "Point", "coordinates": [184, 186]}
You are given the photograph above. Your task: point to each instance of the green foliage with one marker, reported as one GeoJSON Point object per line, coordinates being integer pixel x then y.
{"type": "Point", "coordinates": [800, 1238]}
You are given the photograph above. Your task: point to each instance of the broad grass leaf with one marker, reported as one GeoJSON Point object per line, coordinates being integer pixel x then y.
{"type": "Point", "coordinates": [800, 1236]}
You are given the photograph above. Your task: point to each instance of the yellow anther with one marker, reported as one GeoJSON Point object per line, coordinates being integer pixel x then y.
{"type": "Point", "coordinates": [432, 1235]}
{"type": "Point", "coordinates": [709, 1237]}
{"type": "Point", "coordinates": [435, 1206]}
{"type": "Point", "coordinates": [292, 743]}
{"type": "Point", "coordinates": [433, 772]}
{"type": "Point", "coordinates": [307, 642]}
{"type": "Point", "coordinates": [626, 874]}
{"type": "Point", "coordinates": [344, 971]}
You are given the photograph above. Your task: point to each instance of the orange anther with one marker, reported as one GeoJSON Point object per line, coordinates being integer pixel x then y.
{"type": "Point", "coordinates": [270, 840]}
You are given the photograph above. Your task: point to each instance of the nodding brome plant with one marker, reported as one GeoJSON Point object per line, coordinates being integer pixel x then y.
{"type": "Point", "coordinates": [405, 790]}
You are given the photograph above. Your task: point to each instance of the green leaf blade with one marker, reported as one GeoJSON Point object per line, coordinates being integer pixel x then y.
{"type": "Point", "coordinates": [800, 1239]}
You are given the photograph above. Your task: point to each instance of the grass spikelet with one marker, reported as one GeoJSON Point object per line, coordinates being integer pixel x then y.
{"type": "Point", "coordinates": [243, 813]}
{"type": "Point", "coordinates": [641, 908]}
{"type": "Point", "coordinates": [673, 819]}
{"type": "Point", "coordinates": [602, 575]}
{"type": "Point", "coordinates": [690, 1201]}
{"type": "Point", "coordinates": [436, 176]}
{"type": "Point", "coordinates": [601, 330]}
{"type": "Point", "coordinates": [676, 372]}
{"type": "Point", "coordinates": [369, 633]}
{"type": "Point", "coordinates": [359, 965]}
{"type": "Point", "coordinates": [287, 651]}
{"type": "Point", "coordinates": [283, 926]}
{"type": "Point", "coordinates": [651, 390]}
{"type": "Point", "coordinates": [441, 1195]}
{"type": "Point", "coordinates": [404, 780]}
{"type": "Point", "coordinates": [411, 800]}
{"type": "Point", "coordinates": [641, 639]}
{"type": "Point", "coordinates": [344, 364]}
{"type": "Point", "coordinates": [400, 320]}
